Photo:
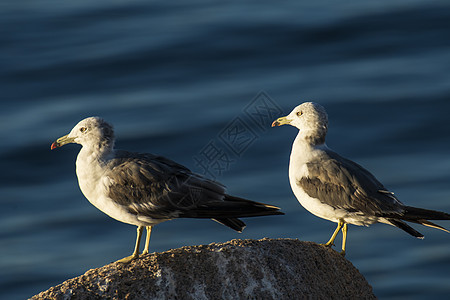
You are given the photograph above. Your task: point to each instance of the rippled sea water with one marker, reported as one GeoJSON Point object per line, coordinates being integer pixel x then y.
{"type": "Point", "coordinates": [173, 77]}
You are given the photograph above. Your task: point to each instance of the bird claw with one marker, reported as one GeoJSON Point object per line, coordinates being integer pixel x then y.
{"type": "Point", "coordinates": [127, 259]}
{"type": "Point", "coordinates": [332, 244]}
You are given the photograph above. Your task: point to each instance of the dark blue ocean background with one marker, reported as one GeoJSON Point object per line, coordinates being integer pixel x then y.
{"type": "Point", "coordinates": [172, 77]}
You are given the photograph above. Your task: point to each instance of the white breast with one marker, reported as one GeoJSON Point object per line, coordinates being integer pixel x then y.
{"type": "Point", "coordinates": [301, 153]}
{"type": "Point", "coordinates": [94, 186]}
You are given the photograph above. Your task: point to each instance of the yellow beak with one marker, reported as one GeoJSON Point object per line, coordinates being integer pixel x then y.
{"type": "Point", "coordinates": [281, 121]}
{"type": "Point", "coordinates": [62, 141]}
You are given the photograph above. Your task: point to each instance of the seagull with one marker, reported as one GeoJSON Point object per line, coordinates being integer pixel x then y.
{"type": "Point", "coordinates": [145, 189]}
{"type": "Point", "coordinates": [339, 190]}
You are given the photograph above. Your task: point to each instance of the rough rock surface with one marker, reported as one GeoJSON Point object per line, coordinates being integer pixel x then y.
{"type": "Point", "coordinates": [238, 269]}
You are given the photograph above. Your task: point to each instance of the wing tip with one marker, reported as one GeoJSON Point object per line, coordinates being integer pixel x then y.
{"type": "Point", "coordinates": [432, 225]}
{"type": "Point", "coordinates": [405, 227]}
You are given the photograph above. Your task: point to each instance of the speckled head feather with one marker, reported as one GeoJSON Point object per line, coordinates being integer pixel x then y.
{"type": "Point", "coordinates": [312, 121]}
{"type": "Point", "coordinates": [93, 132]}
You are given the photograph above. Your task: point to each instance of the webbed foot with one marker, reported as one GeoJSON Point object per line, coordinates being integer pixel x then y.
{"type": "Point", "coordinates": [128, 259]}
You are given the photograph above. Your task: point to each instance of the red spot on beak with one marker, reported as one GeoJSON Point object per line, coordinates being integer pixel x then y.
{"type": "Point", "coordinates": [54, 145]}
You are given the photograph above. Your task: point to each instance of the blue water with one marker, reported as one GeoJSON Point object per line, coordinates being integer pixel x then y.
{"type": "Point", "coordinates": [173, 77]}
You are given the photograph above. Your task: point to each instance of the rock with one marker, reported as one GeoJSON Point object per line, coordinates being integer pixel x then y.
{"type": "Point", "coordinates": [238, 269]}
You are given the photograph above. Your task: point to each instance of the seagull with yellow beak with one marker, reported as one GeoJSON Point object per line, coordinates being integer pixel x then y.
{"type": "Point", "coordinates": [337, 189]}
{"type": "Point", "coordinates": [145, 189]}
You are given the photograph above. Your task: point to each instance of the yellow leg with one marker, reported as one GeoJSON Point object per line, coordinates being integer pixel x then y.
{"type": "Point", "coordinates": [147, 239]}
{"type": "Point", "coordinates": [135, 254]}
{"type": "Point", "coordinates": [333, 237]}
{"type": "Point", "coordinates": [344, 238]}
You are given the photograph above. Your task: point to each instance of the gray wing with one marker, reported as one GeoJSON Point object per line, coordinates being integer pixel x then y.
{"type": "Point", "coordinates": [156, 187]}
{"type": "Point", "coordinates": [344, 184]}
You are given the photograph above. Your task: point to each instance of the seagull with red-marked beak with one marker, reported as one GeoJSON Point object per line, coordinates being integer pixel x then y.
{"type": "Point", "coordinates": [337, 189]}
{"type": "Point", "coordinates": [145, 189]}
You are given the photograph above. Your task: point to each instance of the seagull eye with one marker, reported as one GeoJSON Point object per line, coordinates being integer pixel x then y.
{"type": "Point", "coordinates": [83, 129]}
{"type": "Point", "coordinates": [299, 113]}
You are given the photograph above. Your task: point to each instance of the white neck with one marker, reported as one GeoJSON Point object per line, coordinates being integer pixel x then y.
{"type": "Point", "coordinates": [302, 152]}
{"type": "Point", "coordinates": [302, 145]}
{"type": "Point", "coordinates": [89, 167]}
{"type": "Point", "coordinates": [91, 153]}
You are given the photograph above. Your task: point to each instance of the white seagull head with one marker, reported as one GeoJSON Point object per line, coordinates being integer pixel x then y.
{"type": "Point", "coordinates": [92, 132]}
{"type": "Point", "coordinates": [310, 118]}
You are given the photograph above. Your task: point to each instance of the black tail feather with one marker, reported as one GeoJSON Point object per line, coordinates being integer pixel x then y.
{"type": "Point", "coordinates": [418, 216]}
{"type": "Point", "coordinates": [402, 225]}
{"type": "Point", "coordinates": [429, 224]}
{"type": "Point", "coordinates": [233, 223]}
{"type": "Point", "coordinates": [231, 207]}
{"type": "Point", "coordinates": [414, 213]}
{"type": "Point", "coordinates": [265, 209]}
